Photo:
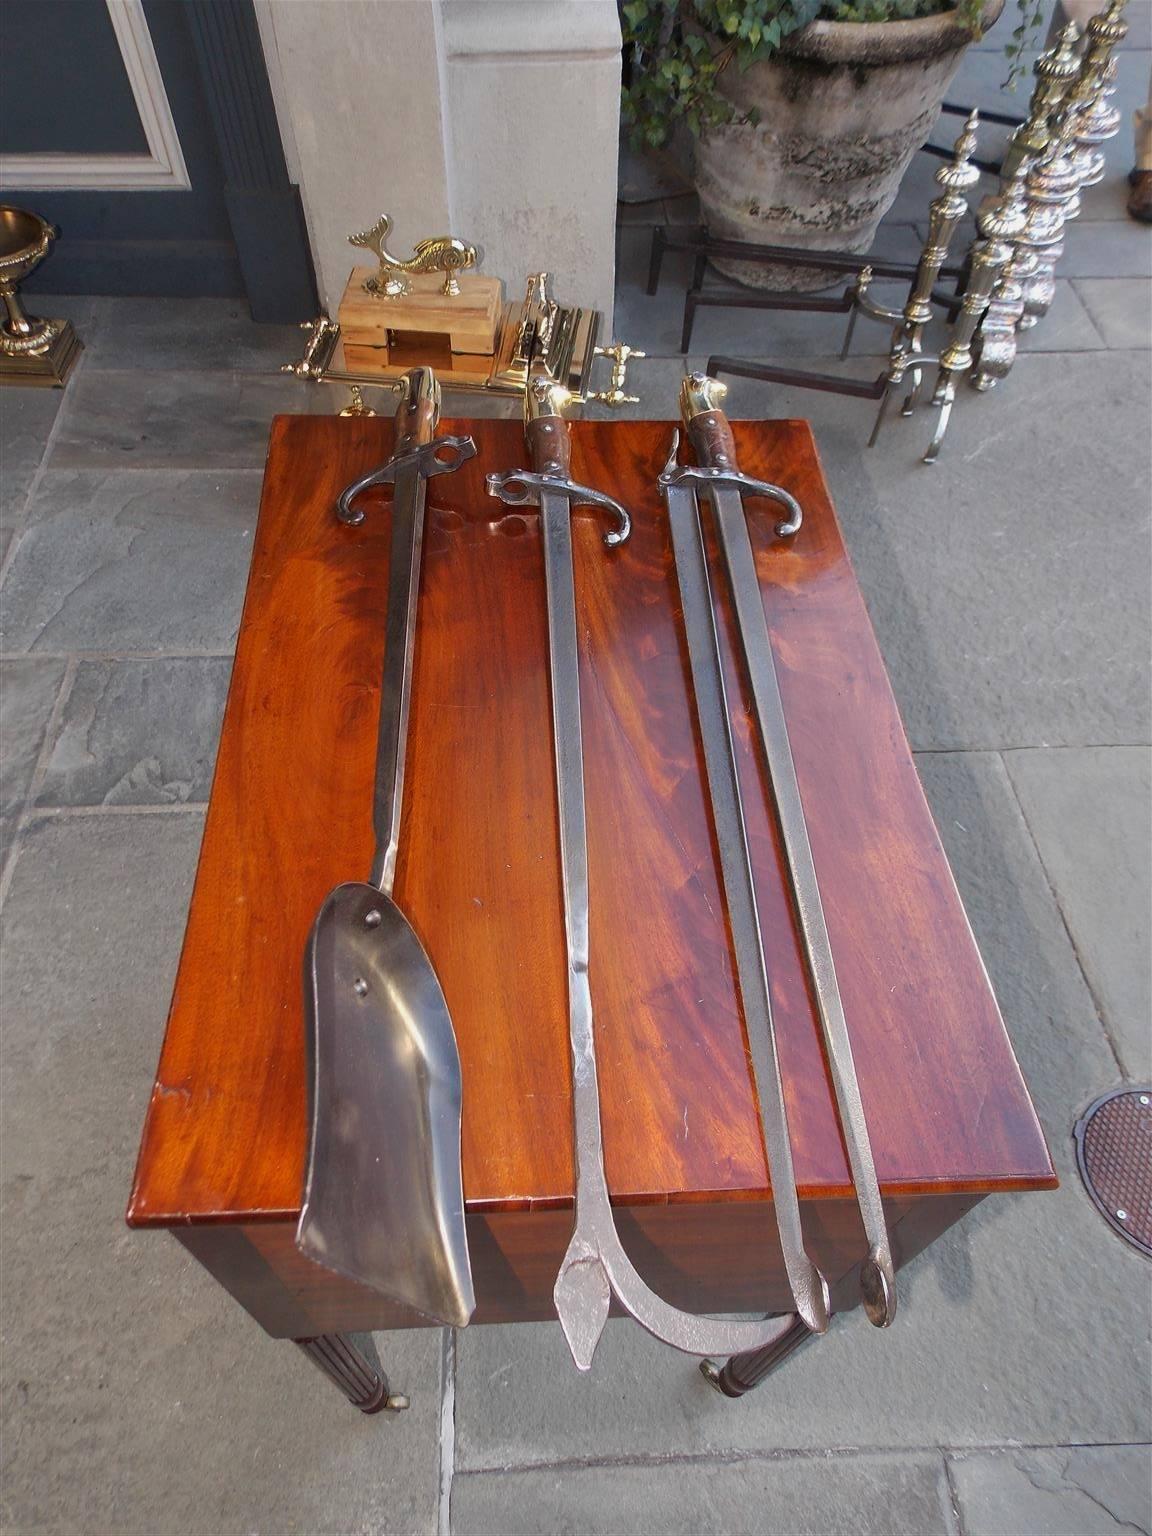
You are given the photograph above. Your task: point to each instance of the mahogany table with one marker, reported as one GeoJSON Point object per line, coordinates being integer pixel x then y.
{"type": "Point", "coordinates": [222, 1158]}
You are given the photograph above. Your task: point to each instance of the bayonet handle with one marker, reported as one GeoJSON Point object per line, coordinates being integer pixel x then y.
{"type": "Point", "coordinates": [418, 413]}
{"type": "Point", "coordinates": [700, 406]}
{"type": "Point", "coordinates": [549, 446]}
{"type": "Point", "coordinates": [545, 430]}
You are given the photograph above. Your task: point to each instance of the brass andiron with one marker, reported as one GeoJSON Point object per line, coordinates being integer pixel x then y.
{"type": "Point", "coordinates": [1070, 160]}
{"type": "Point", "coordinates": [1056, 150]}
{"type": "Point", "coordinates": [1053, 199]}
{"type": "Point", "coordinates": [905, 357]}
{"type": "Point", "coordinates": [1001, 224]}
{"type": "Point", "coordinates": [944, 214]}
{"type": "Point", "coordinates": [537, 324]}
{"type": "Point", "coordinates": [440, 253]}
{"type": "Point", "coordinates": [32, 351]}
{"type": "Point", "coordinates": [995, 345]}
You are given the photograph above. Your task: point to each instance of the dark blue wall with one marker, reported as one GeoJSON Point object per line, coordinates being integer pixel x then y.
{"type": "Point", "coordinates": [237, 231]}
{"type": "Point", "coordinates": [63, 85]}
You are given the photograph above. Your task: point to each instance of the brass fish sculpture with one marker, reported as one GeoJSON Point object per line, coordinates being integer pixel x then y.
{"type": "Point", "coordinates": [441, 253]}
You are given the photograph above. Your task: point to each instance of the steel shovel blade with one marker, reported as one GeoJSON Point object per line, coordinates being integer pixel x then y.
{"type": "Point", "coordinates": [383, 1198]}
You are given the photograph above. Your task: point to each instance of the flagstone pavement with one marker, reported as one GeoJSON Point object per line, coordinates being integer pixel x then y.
{"type": "Point", "coordinates": [1009, 587]}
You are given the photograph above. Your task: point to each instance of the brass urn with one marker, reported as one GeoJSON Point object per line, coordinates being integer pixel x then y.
{"type": "Point", "coordinates": [32, 351]}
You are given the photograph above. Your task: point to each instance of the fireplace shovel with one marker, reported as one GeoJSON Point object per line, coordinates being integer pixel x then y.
{"type": "Point", "coordinates": [383, 1195]}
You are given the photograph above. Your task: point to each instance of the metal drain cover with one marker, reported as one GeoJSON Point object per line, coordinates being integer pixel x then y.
{"type": "Point", "coordinates": [1114, 1154]}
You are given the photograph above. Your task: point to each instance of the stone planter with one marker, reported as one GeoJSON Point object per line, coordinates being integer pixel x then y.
{"type": "Point", "coordinates": [843, 108]}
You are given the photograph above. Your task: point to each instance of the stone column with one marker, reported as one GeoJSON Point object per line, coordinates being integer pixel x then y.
{"type": "Point", "coordinates": [534, 88]}
{"type": "Point", "coordinates": [494, 120]}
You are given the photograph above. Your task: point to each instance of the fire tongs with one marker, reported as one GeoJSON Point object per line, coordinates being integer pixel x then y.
{"type": "Point", "coordinates": [595, 1266]}
{"type": "Point", "coordinates": [718, 477]}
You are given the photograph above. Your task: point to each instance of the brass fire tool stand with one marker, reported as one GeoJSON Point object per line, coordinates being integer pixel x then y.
{"type": "Point", "coordinates": [40, 352]}
{"type": "Point", "coordinates": [717, 478]}
{"type": "Point", "coordinates": [596, 1266]}
{"type": "Point", "coordinates": [487, 351]}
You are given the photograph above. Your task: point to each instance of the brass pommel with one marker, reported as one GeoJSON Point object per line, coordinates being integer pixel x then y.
{"type": "Point", "coordinates": [544, 395]}
{"type": "Point", "coordinates": [702, 407]}
{"type": "Point", "coordinates": [418, 410]}
{"type": "Point", "coordinates": [700, 394]}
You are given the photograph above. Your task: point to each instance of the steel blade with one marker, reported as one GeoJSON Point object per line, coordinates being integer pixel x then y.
{"type": "Point", "coordinates": [877, 1274]}
{"type": "Point", "coordinates": [807, 1284]}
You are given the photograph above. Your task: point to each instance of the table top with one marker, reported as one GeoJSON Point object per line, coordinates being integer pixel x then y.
{"type": "Point", "coordinates": [479, 877]}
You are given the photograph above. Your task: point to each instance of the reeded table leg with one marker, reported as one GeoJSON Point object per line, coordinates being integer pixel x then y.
{"type": "Point", "coordinates": [743, 1372]}
{"type": "Point", "coordinates": [347, 1367]}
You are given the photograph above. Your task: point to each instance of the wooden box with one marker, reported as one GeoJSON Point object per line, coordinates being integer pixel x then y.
{"type": "Point", "coordinates": [455, 335]}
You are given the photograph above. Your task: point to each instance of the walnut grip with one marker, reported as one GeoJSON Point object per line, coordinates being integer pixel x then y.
{"type": "Point", "coordinates": [700, 407]}
{"type": "Point", "coordinates": [545, 430]}
{"type": "Point", "coordinates": [549, 446]}
{"type": "Point", "coordinates": [418, 413]}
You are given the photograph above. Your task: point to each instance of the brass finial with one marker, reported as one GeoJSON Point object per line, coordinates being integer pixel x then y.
{"type": "Point", "coordinates": [958, 174]}
{"type": "Point", "coordinates": [1106, 30]}
{"type": "Point", "coordinates": [1108, 26]}
{"type": "Point", "coordinates": [1055, 71]}
{"type": "Point", "coordinates": [1097, 116]}
{"type": "Point", "coordinates": [1062, 61]}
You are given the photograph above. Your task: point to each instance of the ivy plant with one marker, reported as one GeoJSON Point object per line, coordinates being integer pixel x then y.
{"type": "Point", "coordinates": [676, 50]}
